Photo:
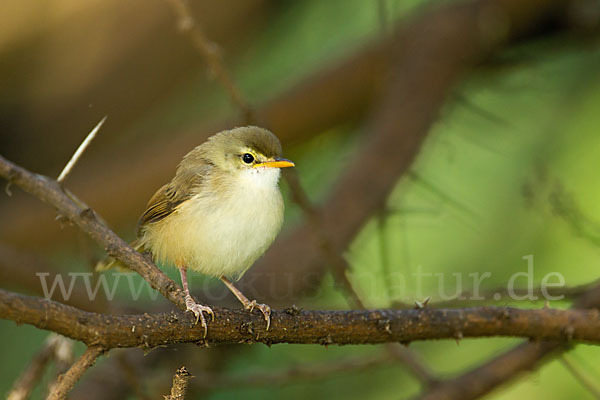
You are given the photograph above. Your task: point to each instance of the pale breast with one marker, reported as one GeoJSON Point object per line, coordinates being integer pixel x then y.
{"type": "Point", "coordinates": [221, 235]}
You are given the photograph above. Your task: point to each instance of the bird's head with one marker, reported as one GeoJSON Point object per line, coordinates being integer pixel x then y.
{"type": "Point", "coordinates": [247, 153]}
{"type": "Point", "coordinates": [248, 148]}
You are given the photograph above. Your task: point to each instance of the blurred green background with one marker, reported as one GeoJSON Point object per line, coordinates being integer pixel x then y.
{"type": "Point", "coordinates": [508, 170]}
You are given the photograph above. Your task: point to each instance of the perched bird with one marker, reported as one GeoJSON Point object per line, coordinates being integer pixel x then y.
{"type": "Point", "coordinates": [219, 213]}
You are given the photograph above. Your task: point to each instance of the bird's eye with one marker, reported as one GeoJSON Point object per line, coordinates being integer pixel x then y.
{"type": "Point", "coordinates": [248, 158]}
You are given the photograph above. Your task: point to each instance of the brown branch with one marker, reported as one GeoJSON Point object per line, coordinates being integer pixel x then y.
{"type": "Point", "coordinates": [300, 327]}
{"type": "Point", "coordinates": [66, 381]}
{"type": "Point", "coordinates": [180, 384]}
{"type": "Point", "coordinates": [50, 191]}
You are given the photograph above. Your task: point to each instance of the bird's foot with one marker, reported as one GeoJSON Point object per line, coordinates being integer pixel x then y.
{"type": "Point", "coordinates": [198, 309]}
{"type": "Point", "coordinates": [265, 309]}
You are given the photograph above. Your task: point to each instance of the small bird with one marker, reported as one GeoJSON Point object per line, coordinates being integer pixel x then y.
{"type": "Point", "coordinates": [219, 213]}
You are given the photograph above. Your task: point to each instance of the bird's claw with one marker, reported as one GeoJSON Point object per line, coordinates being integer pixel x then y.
{"type": "Point", "coordinates": [198, 309]}
{"type": "Point", "coordinates": [265, 309]}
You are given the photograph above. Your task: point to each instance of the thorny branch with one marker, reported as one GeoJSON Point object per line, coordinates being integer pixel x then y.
{"type": "Point", "coordinates": [211, 53]}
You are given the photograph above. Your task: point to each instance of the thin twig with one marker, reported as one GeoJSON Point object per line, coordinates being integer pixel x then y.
{"type": "Point", "coordinates": [66, 381]}
{"type": "Point", "coordinates": [583, 380]}
{"type": "Point", "coordinates": [211, 53]}
{"type": "Point", "coordinates": [180, 384]}
{"type": "Point", "coordinates": [281, 377]}
{"type": "Point", "coordinates": [82, 147]}
{"type": "Point", "coordinates": [63, 359]}
{"type": "Point", "coordinates": [416, 365]}
{"type": "Point", "coordinates": [33, 373]}
{"type": "Point", "coordinates": [381, 220]}
{"type": "Point", "coordinates": [564, 206]}
{"type": "Point", "coordinates": [382, 15]}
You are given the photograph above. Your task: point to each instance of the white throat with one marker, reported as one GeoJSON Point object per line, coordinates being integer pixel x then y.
{"type": "Point", "coordinates": [259, 179]}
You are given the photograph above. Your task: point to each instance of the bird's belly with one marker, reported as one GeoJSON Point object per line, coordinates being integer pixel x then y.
{"type": "Point", "coordinates": [219, 239]}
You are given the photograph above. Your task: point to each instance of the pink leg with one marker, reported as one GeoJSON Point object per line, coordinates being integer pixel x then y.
{"type": "Point", "coordinates": [191, 305]}
{"type": "Point", "coordinates": [249, 305]}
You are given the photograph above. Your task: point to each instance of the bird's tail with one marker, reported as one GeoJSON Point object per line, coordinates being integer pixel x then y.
{"type": "Point", "coordinates": [109, 262]}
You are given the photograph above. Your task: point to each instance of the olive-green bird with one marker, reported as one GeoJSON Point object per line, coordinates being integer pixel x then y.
{"type": "Point", "coordinates": [219, 213]}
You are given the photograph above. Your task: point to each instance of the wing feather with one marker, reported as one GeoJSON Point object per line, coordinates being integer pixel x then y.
{"type": "Point", "coordinates": [166, 199]}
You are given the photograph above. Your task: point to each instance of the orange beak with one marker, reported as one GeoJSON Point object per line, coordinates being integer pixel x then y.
{"type": "Point", "coordinates": [276, 163]}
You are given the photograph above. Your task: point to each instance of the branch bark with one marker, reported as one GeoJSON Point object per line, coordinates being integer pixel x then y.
{"type": "Point", "coordinates": [300, 327]}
